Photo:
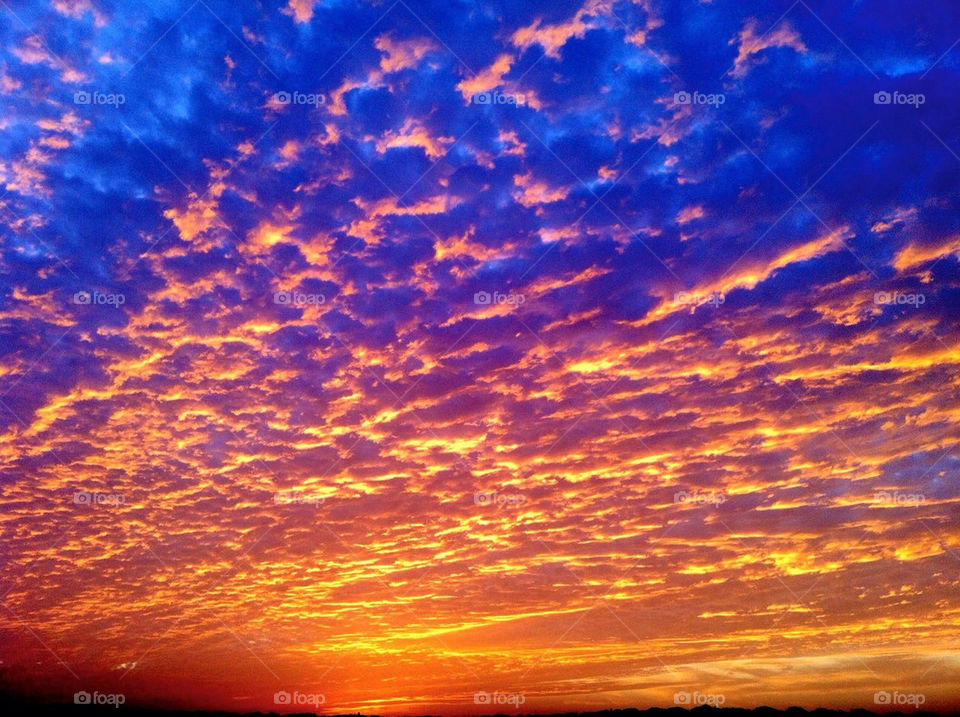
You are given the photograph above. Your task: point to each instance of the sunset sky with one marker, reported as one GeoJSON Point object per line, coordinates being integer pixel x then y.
{"type": "Point", "coordinates": [580, 355]}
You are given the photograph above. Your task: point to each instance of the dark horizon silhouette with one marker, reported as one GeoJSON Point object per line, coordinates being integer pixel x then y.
{"type": "Point", "coordinates": [19, 706]}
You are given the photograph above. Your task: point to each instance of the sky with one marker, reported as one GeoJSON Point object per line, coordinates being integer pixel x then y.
{"type": "Point", "coordinates": [467, 357]}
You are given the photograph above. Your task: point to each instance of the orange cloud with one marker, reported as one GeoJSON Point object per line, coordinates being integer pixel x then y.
{"type": "Point", "coordinates": [688, 214]}
{"type": "Point", "coordinates": [533, 191]}
{"type": "Point", "coordinates": [550, 37]}
{"type": "Point", "coordinates": [749, 43]}
{"type": "Point", "coordinates": [415, 134]}
{"type": "Point", "coordinates": [914, 255]}
{"type": "Point", "coordinates": [302, 10]}
{"type": "Point", "coordinates": [487, 79]}
{"type": "Point", "coordinates": [401, 54]}
{"type": "Point", "coordinates": [901, 215]}
{"type": "Point", "coordinates": [33, 52]}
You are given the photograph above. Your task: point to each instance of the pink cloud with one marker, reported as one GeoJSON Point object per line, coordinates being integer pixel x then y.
{"type": "Point", "coordinates": [750, 44]}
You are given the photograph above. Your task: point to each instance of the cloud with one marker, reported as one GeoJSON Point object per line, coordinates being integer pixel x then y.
{"type": "Point", "coordinates": [751, 43]}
